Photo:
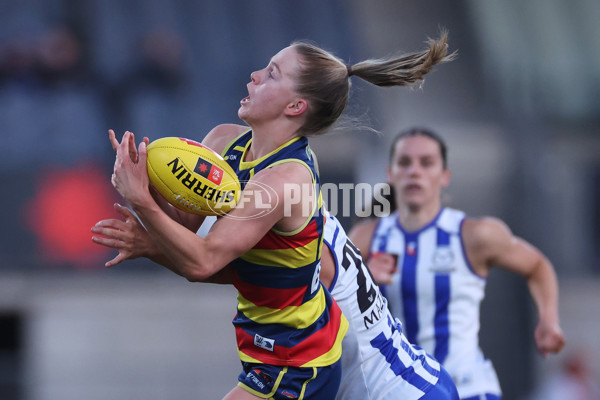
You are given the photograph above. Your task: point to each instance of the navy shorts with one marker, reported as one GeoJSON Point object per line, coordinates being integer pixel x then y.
{"type": "Point", "coordinates": [284, 383]}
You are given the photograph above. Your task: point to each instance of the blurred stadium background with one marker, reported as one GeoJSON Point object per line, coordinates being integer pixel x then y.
{"type": "Point", "coordinates": [520, 108]}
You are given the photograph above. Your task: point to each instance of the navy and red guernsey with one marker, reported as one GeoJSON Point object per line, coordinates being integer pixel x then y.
{"type": "Point", "coordinates": [285, 315]}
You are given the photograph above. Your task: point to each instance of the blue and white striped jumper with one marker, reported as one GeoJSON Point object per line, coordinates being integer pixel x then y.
{"type": "Point", "coordinates": [378, 363]}
{"type": "Point", "coordinates": [436, 294]}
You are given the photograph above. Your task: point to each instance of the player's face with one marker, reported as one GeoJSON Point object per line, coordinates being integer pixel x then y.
{"type": "Point", "coordinates": [271, 89]}
{"type": "Point", "coordinates": [417, 171]}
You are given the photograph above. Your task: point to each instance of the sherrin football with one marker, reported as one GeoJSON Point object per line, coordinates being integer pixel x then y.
{"type": "Point", "coordinates": [192, 177]}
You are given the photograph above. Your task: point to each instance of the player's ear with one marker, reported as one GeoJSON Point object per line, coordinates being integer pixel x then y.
{"type": "Point", "coordinates": [297, 107]}
{"type": "Point", "coordinates": [446, 175]}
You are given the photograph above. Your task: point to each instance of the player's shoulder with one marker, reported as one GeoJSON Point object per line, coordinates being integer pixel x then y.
{"type": "Point", "coordinates": [364, 227]}
{"type": "Point", "coordinates": [282, 174]}
{"type": "Point", "coordinates": [482, 231]}
{"type": "Point", "coordinates": [362, 232]}
{"type": "Point", "coordinates": [221, 135]}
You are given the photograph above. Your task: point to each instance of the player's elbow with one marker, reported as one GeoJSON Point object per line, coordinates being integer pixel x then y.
{"type": "Point", "coordinates": [197, 273]}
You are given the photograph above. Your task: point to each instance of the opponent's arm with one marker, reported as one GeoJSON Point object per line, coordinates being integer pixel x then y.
{"type": "Point", "coordinates": [489, 243]}
{"type": "Point", "coordinates": [381, 265]}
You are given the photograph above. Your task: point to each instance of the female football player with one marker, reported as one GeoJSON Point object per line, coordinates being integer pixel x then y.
{"type": "Point", "coordinates": [289, 331]}
{"type": "Point", "coordinates": [434, 262]}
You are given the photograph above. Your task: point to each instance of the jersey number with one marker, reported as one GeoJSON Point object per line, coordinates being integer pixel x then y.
{"type": "Point", "coordinates": [366, 293]}
{"type": "Point", "coordinates": [315, 280]}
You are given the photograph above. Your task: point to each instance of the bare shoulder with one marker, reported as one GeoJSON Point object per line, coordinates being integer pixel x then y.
{"type": "Point", "coordinates": [221, 135]}
{"type": "Point", "coordinates": [485, 239]}
{"type": "Point", "coordinates": [480, 231]}
{"type": "Point", "coordinates": [361, 235]}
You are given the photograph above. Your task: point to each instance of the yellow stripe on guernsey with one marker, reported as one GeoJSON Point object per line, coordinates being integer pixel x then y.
{"type": "Point", "coordinates": [298, 317]}
{"type": "Point", "coordinates": [332, 356]}
{"type": "Point", "coordinates": [336, 350]}
{"type": "Point", "coordinates": [287, 258]}
{"type": "Point", "coordinates": [253, 163]}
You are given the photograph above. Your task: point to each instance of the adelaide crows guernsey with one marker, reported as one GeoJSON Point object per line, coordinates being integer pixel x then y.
{"type": "Point", "coordinates": [285, 316]}
{"type": "Point", "coordinates": [378, 362]}
{"type": "Point", "coordinates": [437, 295]}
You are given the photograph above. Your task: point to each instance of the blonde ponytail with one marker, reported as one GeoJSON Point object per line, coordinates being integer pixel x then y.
{"type": "Point", "coordinates": [324, 80]}
{"type": "Point", "coordinates": [406, 69]}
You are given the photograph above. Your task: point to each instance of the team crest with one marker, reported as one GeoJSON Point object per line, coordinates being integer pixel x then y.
{"type": "Point", "coordinates": [442, 260]}
{"type": "Point", "coordinates": [411, 249]}
{"type": "Point", "coordinates": [263, 342]}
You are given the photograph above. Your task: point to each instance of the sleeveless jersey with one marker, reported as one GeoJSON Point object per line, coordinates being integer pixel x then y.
{"type": "Point", "coordinates": [285, 316]}
{"type": "Point", "coordinates": [378, 362]}
{"type": "Point", "coordinates": [437, 295]}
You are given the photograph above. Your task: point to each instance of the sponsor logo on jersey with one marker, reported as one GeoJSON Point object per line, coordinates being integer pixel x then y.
{"type": "Point", "coordinates": [259, 378]}
{"type": "Point", "coordinates": [263, 342]}
{"type": "Point", "coordinates": [374, 314]}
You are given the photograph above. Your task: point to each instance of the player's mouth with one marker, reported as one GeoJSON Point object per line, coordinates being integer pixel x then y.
{"type": "Point", "coordinates": [245, 100]}
{"type": "Point", "coordinates": [413, 187]}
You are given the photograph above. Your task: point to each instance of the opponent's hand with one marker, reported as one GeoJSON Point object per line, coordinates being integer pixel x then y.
{"type": "Point", "coordinates": [127, 236]}
{"type": "Point", "coordinates": [382, 267]}
{"type": "Point", "coordinates": [549, 338]}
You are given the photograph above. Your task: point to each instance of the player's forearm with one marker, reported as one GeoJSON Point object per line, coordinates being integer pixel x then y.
{"type": "Point", "coordinates": [177, 248]}
{"type": "Point", "coordinates": [543, 286]}
{"type": "Point", "coordinates": [223, 277]}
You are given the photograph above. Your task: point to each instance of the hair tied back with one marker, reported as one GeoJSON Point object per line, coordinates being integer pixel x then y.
{"type": "Point", "coordinates": [349, 69]}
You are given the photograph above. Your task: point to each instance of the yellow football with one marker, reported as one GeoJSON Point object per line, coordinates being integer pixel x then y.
{"type": "Point", "coordinates": [192, 177]}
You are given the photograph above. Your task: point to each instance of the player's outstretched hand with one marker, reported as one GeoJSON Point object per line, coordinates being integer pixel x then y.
{"type": "Point", "coordinates": [130, 178]}
{"type": "Point", "coordinates": [549, 338]}
{"type": "Point", "coordinates": [127, 236]}
{"type": "Point", "coordinates": [133, 154]}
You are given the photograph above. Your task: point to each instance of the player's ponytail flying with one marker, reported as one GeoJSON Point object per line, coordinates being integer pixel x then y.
{"type": "Point", "coordinates": [324, 79]}
{"type": "Point", "coordinates": [406, 69]}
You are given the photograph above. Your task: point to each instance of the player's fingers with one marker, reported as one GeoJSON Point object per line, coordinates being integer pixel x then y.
{"type": "Point", "coordinates": [124, 211]}
{"type": "Point", "coordinates": [107, 225]}
{"type": "Point", "coordinates": [133, 154]}
{"type": "Point", "coordinates": [113, 139]}
{"type": "Point", "coordinates": [107, 242]}
{"type": "Point", "coordinates": [559, 343]}
{"type": "Point", "coordinates": [122, 148]}
{"type": "Point", "coordinates": [142, 152]}
{"type": "Point", "coordinates": [117, 260]}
